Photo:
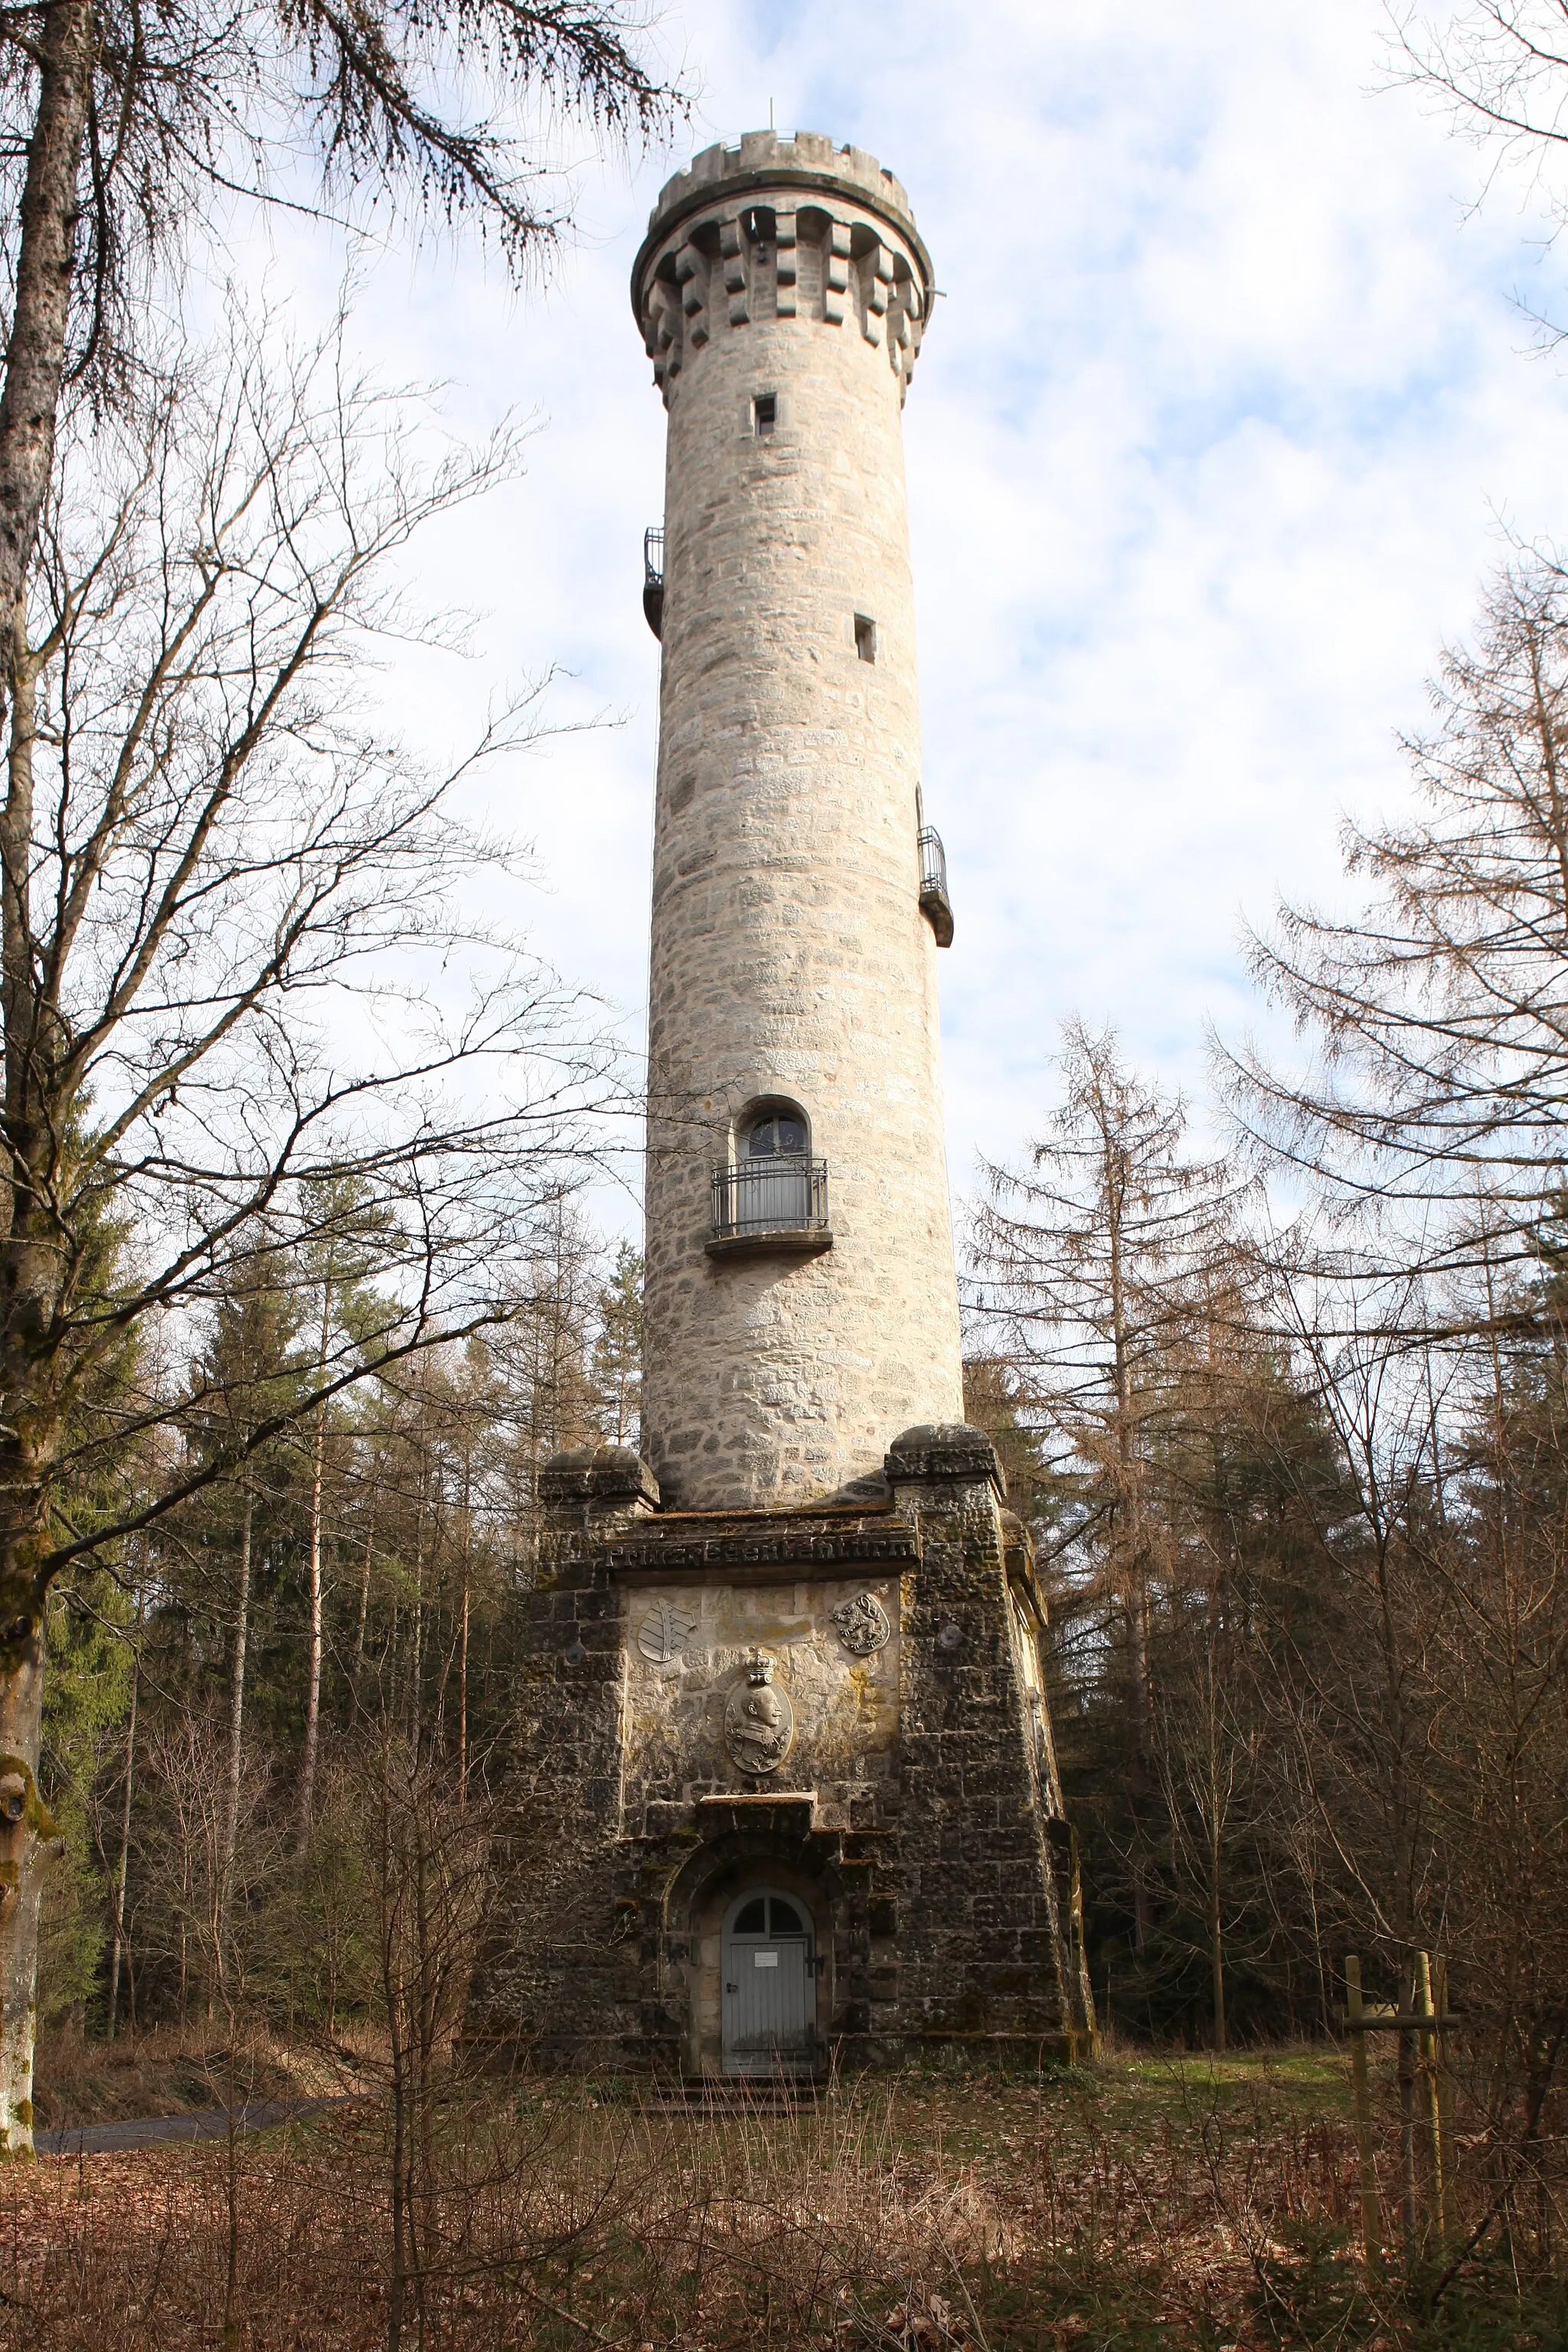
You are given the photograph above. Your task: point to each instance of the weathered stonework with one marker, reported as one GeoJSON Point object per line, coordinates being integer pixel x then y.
{"type": "Point", "coordinates": [916, 1816]}
{"type": "Point", "coordinates": [794, 1655]}
{"type": "Point", "coordinates": [790, 957]}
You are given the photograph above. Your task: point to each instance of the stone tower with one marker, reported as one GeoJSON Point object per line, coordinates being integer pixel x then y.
{"type": "Point", "coordinates": [801, 1306]}
{"type": "Point", "coordinates": [784, 1790]}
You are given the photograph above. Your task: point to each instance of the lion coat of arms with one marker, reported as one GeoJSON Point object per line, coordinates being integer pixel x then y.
{"type": "Point", "coordinates": [759, 1721]}
{"type": "Point", "coordinates": [862, 1623]}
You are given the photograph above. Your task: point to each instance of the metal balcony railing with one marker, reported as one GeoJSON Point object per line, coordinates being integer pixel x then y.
{"type": "Point", "coordinates": [653, 578]}
{"type": "Point", "coordinates": [784, 1194]}
{"type": "Point", "coordinates": [935, 903]}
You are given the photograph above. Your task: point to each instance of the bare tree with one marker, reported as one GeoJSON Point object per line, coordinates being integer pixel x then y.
{"type": "Point", "coordinates": [1499, 69]}
{"type": "Point", "coordinates": [434, 1886]}
{"type": "Point", "coordinates": [1438, 1012]}
{"type": "Point", "coordinates": [120, 127]}
{"type": "Point", "coordinates": [353, 1234]}
{"type": "Point", "coordinates": [1429, 1715]}
{"type": "Point", "coordinates": [1085, 1271]}
{"type": "Point", "coordinates": [247, 1372]}
{"type": "Point", "coordinates": [228, 904]}
{"type": "Point", "coordinates": [1203, 1750]}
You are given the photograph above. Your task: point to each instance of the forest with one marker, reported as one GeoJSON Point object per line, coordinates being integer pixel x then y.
{"type": "Point", "coordinates": [300, 1286]}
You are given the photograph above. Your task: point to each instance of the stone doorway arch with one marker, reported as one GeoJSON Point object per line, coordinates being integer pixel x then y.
{"type": "Point", "coordinates": [707, 1893]}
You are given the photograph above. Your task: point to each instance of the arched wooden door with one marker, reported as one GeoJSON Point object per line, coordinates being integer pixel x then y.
{"type": "Point", "coordinates": [769, 2006]}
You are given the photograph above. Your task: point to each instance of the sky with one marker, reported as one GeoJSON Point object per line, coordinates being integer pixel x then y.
{"type": "Point", "coordinates": [1230, 403]}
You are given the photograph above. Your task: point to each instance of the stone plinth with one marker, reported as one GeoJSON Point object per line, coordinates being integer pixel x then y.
{"type": "Point", "coordinates": [914, 1812]}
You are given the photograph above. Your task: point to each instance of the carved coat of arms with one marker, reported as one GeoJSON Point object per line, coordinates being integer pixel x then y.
{"type": "Point", "coordinates": [862, 1623]}
{"type": "Point", "coordinates": [759, 1721]}
{"type": "Point", "coordinates": [664, 1631]}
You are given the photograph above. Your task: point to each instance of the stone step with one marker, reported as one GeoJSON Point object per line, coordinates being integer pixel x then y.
{"type": "Point", "coordinates": [742, 2097]}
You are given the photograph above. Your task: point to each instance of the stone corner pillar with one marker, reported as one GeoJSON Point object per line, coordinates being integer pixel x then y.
{"type": "Point", "coordinates": [944, 1462]}
{"type": "Point", "coordinates": [595, 1484]}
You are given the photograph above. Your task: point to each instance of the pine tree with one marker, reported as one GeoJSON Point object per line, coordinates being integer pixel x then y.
{"type": "Point", "coordinates": [617, 1347]}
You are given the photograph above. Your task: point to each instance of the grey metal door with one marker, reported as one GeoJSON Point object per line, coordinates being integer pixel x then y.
{"type": "Point", "coordinates": [769, 1987]}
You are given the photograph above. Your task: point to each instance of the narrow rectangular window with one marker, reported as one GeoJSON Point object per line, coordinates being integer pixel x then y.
{"type": "Point", "coordinates": [865, 638]}
{"type": "Point", "coordinates": [764, 414]}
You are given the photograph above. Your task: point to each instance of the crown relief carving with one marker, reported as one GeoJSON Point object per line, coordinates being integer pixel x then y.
{"type": "Point", "coordinates": [736, 264]}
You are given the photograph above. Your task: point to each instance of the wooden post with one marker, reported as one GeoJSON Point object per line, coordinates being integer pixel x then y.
{"type": "Point", "coordinates": [1447, 2212]}
{"type": "Point", "coordinates": [1409, 2219]}
{"type": "Point", "coordinates": [1371, 2225]}
{"type": "Point", "coordinates": [1423, 2007]}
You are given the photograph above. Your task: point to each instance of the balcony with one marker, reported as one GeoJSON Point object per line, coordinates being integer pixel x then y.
{"type": "Point", "coordinates": [763, 1207]}
{"type": "Point", "coordinates": [653, 578]}
{"type": "Point", "coordinates": [935, 903]}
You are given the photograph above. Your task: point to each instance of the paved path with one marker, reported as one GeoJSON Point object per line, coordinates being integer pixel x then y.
{"type": "Point", "coordinates": [155, 2131]}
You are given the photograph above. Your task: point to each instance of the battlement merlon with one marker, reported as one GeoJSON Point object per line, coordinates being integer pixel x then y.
{"type": "Point", "coordinates": [781, 227]}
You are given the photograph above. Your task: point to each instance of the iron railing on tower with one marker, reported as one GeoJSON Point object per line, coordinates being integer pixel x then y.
{"type": "Point", "coordinates": [935, 903]}
{"type": "Point", "coordinates": [653, 578]}
{"type": "Point", "coordinates": [780, 1201]}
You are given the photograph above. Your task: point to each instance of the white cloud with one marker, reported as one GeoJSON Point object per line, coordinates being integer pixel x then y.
{"type": "Point", "coordinates": [1205, 453]}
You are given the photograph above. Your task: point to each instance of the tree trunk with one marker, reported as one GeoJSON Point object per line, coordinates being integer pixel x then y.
{"type": "Point", "coordinates": [417, 1671]}
{"type": "Point", "coordinates": [1216, 1938]}
{"type": "Point", "coordinates": [121, 1876]}
{"type": "Point", "coordinates": [463, 1640]}
{"type": "Point", "coordinates": [28, 1843]}
{"type": "Point", "coordinates": [463, 1701]}
{"type": "Point", "coordinates": [364, 1593]}
{"type": "Point", "coordinates": [236, 1720]}
{"type": "Point", "coordinates": [1133, 1541]}
{"type": "Point", "coordinates": [46, 261]}
{"type": "Point", "coordinates": [29, 402]}
{"type": "Point", "coordinates": [313, 1684]}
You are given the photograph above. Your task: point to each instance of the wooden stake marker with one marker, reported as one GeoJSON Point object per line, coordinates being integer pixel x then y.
{"type": "Point", "coordinates": [1423, 2029]}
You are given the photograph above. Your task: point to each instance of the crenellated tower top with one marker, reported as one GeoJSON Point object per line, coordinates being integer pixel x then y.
{"type": "Point", "coordinates": [781, 228]}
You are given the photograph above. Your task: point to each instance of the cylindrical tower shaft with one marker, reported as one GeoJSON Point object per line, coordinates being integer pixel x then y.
{"type": "Point", "coordinates": [801, 1306]}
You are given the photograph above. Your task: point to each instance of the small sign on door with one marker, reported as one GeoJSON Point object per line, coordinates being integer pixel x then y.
{"type": "Point", "coordinates": [764, 1959]}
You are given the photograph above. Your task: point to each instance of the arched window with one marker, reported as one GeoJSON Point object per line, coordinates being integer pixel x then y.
{"type": "Point", "coordinates": [769, 1188]}
{"type": "Point", "coordinates": [776, 1133]}
{"type": "Point", "coordinates": [768, 1914]}
{"type": "Point", "coordinates": [772, 1168]}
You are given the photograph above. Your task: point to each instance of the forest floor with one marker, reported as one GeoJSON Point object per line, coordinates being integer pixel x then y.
{"type": "Point", "coordinates": [1193, 2204]}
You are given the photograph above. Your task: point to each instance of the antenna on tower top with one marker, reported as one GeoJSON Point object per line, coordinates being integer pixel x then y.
{"type": "Point", "coordinates": [771, 123]}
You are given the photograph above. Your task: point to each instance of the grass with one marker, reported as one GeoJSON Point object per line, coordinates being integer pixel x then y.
{"type": "Point", "coordinates": [1188, 2204]}
{"type": "Point", "coordinates": [175, 2070]}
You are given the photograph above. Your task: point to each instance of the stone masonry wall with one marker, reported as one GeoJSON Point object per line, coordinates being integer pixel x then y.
{"type": "Point", "coordinates": [985, 1946]}
{"type": "Point", "coordinates": [908, 1813]}
{"type": "Point", "coordinates": [790, 957]}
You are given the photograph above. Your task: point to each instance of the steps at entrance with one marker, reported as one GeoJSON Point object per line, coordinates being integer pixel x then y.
{"type": "Point", "coordinates": [740, 2096]}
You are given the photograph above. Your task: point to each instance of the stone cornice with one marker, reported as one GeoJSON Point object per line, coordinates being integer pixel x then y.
{"type": "Point", "coordinates": [766, 1545]}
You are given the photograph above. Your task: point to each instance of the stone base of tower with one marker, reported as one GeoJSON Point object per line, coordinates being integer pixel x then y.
{"type": "Point", "coordinates": [783, 1793]}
